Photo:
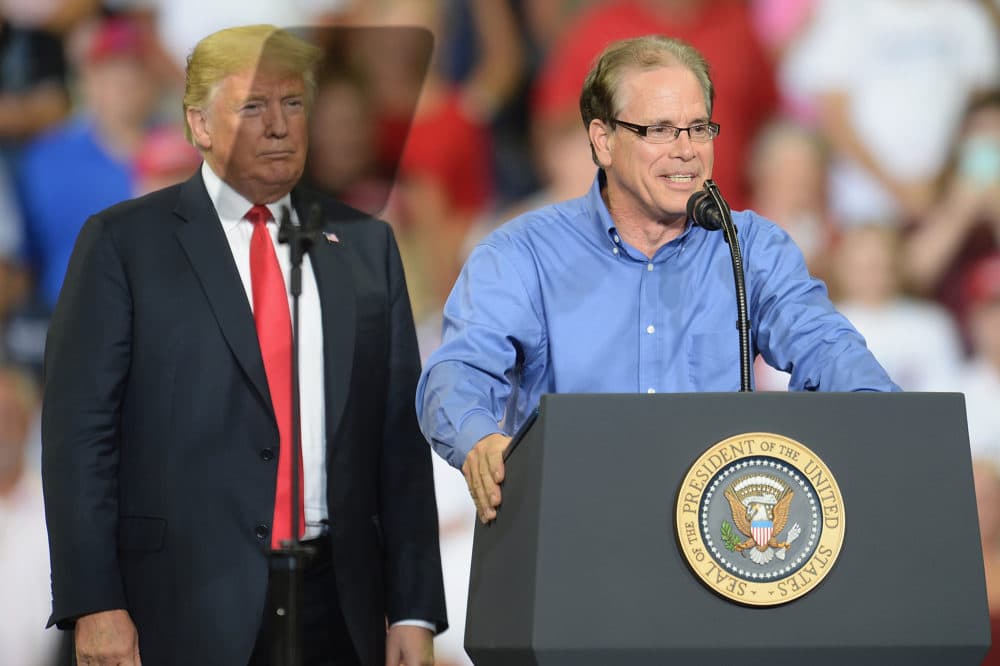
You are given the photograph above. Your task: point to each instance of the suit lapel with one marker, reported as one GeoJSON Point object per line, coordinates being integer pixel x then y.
{"type": "Point", "coordinates": [331, 263]}
{"type": "Point", "coordinates": [212, 259]}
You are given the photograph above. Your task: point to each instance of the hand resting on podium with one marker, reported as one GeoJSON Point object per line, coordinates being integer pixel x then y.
{"type": "Point", "coordinates": [483, 470]}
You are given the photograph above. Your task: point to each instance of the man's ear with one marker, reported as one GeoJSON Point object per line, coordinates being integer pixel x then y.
{"type": "Point", "coordinates": [199, 127]}
{"type": "Point", "coordinates": [602, 140]}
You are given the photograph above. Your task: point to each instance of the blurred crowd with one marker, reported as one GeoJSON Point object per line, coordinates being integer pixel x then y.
{"type": "Point", "coordinates": [870, 131]}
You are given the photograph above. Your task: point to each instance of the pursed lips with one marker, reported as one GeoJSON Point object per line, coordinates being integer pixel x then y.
{"type": "Point", "coordinates": [275, 154]}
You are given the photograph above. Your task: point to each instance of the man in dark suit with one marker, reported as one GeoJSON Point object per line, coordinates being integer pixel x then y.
{"type": "Point", "coordinates": [166, 420]}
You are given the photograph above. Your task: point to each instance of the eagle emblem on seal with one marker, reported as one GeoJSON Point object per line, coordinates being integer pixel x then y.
{"type": "Point", "coordinates": [760, 504]}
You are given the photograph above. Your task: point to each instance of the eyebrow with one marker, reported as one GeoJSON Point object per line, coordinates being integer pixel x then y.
{"type": "Point", "coordinates": [261, 97]}
{"type": "Point", "coordinates": [700, 120]}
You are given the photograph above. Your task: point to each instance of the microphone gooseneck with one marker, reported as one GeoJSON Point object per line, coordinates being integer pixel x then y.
{"type": "Point", "coordinates": [710, 211]}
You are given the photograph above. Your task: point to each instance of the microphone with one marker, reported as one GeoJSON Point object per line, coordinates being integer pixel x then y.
{"type": "Point", "coordinates": [704, 209]}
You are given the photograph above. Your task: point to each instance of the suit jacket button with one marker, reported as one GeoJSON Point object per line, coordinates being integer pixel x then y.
{"type": "Point", "coordinates": [261, 531]}
{"type": "Point", "coordinates": [267, 455]}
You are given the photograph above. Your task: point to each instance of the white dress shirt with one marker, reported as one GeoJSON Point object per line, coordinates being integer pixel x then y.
{"type": "Point", "coordinates": [231, 207]}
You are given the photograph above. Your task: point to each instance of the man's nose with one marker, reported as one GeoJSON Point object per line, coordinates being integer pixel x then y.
{"type": "Point", "coordinates": [682, 146]}
{"type": "Point", "coordinates": [276, 124]}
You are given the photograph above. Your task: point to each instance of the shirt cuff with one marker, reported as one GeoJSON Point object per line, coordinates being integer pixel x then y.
{"type": "Point", "coordinates": [476, 426]}
{"type": "Point", "coordinates": [416, 623]}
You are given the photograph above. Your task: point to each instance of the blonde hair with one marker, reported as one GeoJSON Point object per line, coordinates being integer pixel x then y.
{"type": "Point", "coordinates": [599, 97]}
{"type": "Point", "coordinates": [236, 49]}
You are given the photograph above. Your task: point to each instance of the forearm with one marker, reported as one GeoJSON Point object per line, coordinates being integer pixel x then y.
{"type": "Point", "coordinates": [933, 245]}
{"type": "Point", "coordinates": [846, 142]}
{"type": "Point", "coordinates": [499, 68]}
{"type": "Point", "coordinates": [454, 414]}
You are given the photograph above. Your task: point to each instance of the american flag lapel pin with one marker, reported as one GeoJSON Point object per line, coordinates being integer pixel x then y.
{"type": "Point", "coordinates": [330, 237]}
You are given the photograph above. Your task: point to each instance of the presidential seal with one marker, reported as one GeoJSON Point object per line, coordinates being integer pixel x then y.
{"type": "Point", "coordinates": [760, 519]}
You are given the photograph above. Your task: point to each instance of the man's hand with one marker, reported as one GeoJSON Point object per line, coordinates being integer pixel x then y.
{"type": "Point", "coordinates": [107, 638]}
{"type": "Point", "coordinates": [483, 470]}
{"type": "Point", "coordinates": [409, 645]}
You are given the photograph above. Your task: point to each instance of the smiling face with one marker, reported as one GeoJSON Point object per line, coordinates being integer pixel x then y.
{"type": "Point", "coordinates": [646, 181]}
{"type": "Point", "coordinates": [253, 132]}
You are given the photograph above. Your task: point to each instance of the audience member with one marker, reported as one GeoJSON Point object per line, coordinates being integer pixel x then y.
{"type": "Point", "coordinates": [964, 223]}
{"type": "Point", "coordinates": [546, 22]}
{"type": "Point", "coordinates": [11, 225]}
{"type": "Point", "coordinates": [891, 79]}
{"type": "Point", "coordinates": [721, 29]}
{"type": "Point", "coordinates": [24, 560]}
{"type": "Point", "coordinates": [343, 148]}
{"type": "Point", "coordinates": [986, 475]}
{"type": "Point", "coordinates": [782, 26]}
{"type": "Point", "coordinates": [33, 94]}
{"type": "Point", "coordinates": [787, 173]}
{"type": "Point", "coordinates": [981, 380]}
{"type": "Point", "coordinates": [164, 158]}
{"type": "Point", "coordinates": [865, 284]}
{"type": "Point", "coordinates": [85, 165]}
{"type": "Point", "coordinates": [15, 286]}
{"type": "Point", "coordinates": [445, 180]}
{"type": "Point", "coordinates": [866, 288]}
{"type": "Point", "coordinates": [55, 16]}
{"type": "Point", "coordinates": [562, 158]}
{"type": "Point", "coordinates": [179, 24]}
{"type": "Point", "coordinates": [779, 23]}
{"type": "Point", "coordinates": [464, 51]}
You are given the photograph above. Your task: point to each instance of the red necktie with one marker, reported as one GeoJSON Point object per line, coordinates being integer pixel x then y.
{"type": "Point", "coordinates": [274, 332]}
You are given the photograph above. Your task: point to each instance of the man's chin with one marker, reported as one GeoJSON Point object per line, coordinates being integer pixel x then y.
{"type": "Point", "coordinates": [286, 176]}
{"type": "Point", "coordinates": [673, 207]}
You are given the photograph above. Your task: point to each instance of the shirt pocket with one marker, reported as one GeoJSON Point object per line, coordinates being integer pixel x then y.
{"type": "Point", "coordinates": [714, 362]}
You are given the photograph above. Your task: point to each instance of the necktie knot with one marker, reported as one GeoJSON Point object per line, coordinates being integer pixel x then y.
{"type": "Point", "coordinates": [259, 214]}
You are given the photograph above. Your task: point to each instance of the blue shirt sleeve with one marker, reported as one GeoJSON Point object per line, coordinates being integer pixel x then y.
{"type": "Point", "coordinates": [797, 328]}
{"type": "Point", "coordinates": [492, 325]}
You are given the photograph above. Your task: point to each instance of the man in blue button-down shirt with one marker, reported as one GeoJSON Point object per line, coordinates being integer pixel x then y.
{"type": "Point", "coordinates": [618, 291]}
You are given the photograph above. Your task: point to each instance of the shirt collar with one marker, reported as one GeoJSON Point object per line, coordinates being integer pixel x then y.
{"type": "Point", "coordinates": [604, 226]}
{"type": "Point", "coordinates": [230, 205]}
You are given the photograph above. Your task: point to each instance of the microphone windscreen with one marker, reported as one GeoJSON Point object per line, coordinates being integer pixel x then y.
{"type": "Point", "coordinates": [703, 211]}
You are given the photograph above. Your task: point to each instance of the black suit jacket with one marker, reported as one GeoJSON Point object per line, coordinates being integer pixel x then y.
{"type": "Point", "coordinates": [157, 419]}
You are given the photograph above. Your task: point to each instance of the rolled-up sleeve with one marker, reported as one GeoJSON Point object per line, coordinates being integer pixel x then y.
{"type": "Point", "coordinates": [492, 324]}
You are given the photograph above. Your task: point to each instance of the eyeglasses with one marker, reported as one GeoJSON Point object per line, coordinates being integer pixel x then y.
{"type": "Point", "coordinates": [663, 133]}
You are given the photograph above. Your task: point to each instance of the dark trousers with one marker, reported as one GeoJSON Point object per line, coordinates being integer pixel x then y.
{"type": "Point", "coordinates": [324, 633]}
{"type": "Point", "coordinates": [325, 639]}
